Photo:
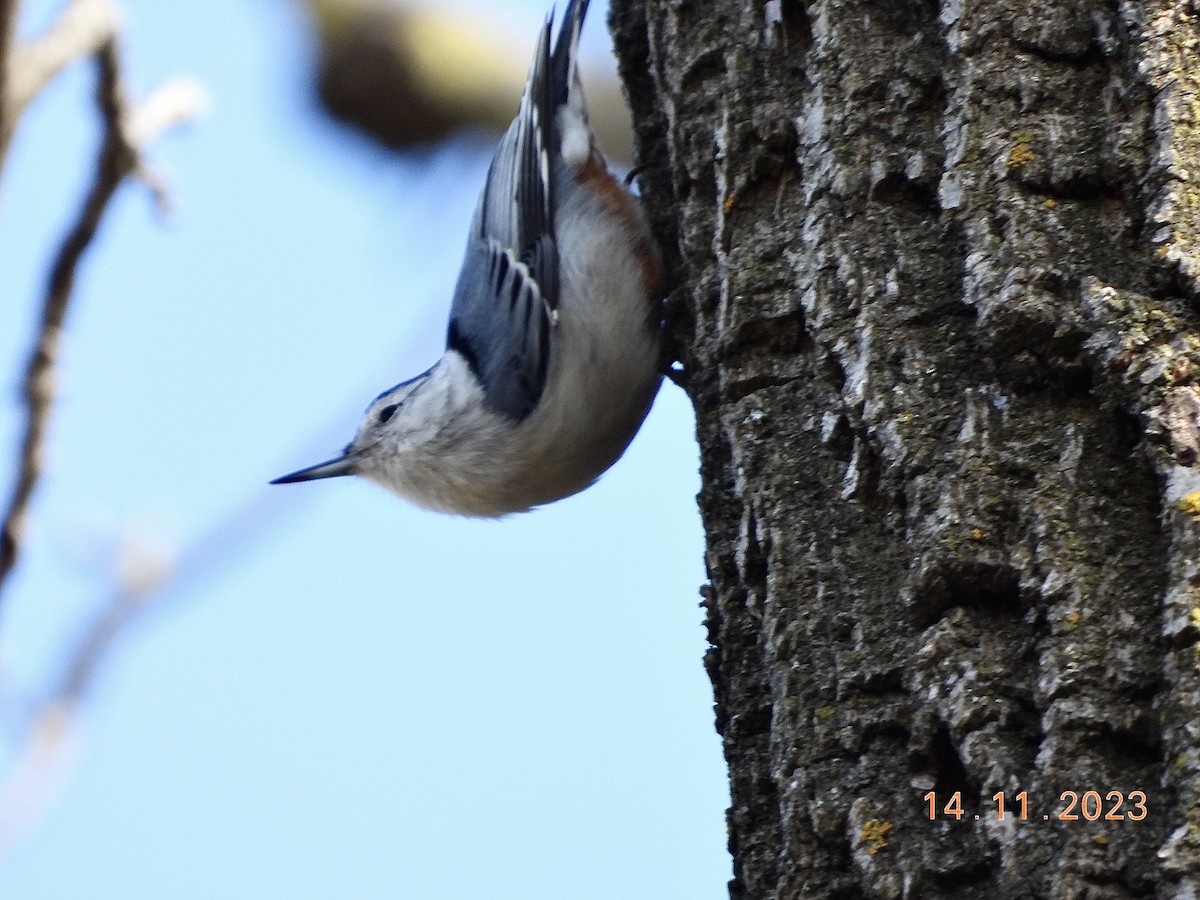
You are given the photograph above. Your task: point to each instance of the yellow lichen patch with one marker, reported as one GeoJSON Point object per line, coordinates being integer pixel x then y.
{"type": "Point", "coordinates": [1190, 505]}
{"type": "Point", "coordinates": [1073, 619]}
{"type": "Point", "coordinates": [977, 533]}
{"type": "Point", "coordinates": [730, 199]}
{"type": "Point", "coordinates": [826, 712]}
{"type": "Point", "coordinates": [1050, 203]}
{"type": "Point", "coordinates": [874, 835]}
{"type": "Point", "coordinates": [1019, 155]}
{"type": "Point", "coordinates": [1101, 839]}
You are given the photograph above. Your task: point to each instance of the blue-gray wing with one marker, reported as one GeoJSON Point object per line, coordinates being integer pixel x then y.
{"type": "Point", "coordinates": [501, 325]}
{"type": "Point", "coordinates": [503, 314]}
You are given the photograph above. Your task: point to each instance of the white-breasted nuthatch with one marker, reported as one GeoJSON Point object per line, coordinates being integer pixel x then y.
{"type": "Point", "coordinates": [552, 352]}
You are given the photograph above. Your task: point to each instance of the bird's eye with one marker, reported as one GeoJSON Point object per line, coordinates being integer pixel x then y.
{"type": "Point", "coordinates": [387, 412]}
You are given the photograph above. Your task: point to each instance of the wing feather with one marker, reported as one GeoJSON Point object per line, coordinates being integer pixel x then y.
{"type": "Point", "coordinates": [505, 304]}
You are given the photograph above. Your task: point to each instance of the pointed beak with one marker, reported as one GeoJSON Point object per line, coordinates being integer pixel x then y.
{"type": "Point", "coordinates": [343, 465]}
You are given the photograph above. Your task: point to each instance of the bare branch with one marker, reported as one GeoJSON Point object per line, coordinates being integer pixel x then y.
{"type": "Point", "coordinates": [40, 772]}
{"type": "Point", "coordinates": [84, 28]}
{"type": "Point", "coordinates": [125, 132]}
{"type": "Point", "coordinates": [172, 103]}
{"type": "Point", "coordinates": [145, 579]}
{"type": "Point", "coordinates": [8, 23]}
{"type": "Point", "coordinates": [81, 29]}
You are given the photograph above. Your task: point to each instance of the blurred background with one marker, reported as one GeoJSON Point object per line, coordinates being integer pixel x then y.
{"type": "Point", "coordinates": [317, 690]}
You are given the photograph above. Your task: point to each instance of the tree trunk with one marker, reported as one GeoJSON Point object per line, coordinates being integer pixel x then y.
{"type": "Point", "coordinates": [935, 269]}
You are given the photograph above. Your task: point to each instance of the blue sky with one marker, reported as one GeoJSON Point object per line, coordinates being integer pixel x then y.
{"type": "Point", "coordinates": [347, 697]}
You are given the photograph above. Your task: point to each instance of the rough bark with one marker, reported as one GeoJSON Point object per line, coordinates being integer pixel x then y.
{"type": "Point", "coordinates": [936, 271]}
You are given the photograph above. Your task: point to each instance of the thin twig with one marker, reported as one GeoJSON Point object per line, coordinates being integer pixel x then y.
{"type": "Point", "coordinates": [84, 28]}
{"type": "Point", "coordinates": [49, 745]}
{"type": "Point", "coordinates": [81, 29]}
{"type": "Point", "coordinates": [120, 157]}
{"type": "Point", "coordinates": [38, 773]}
{"type": "Point", "coordinates": [116, 161]}
{"type": "Point", "coordinates": [8, 27]}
